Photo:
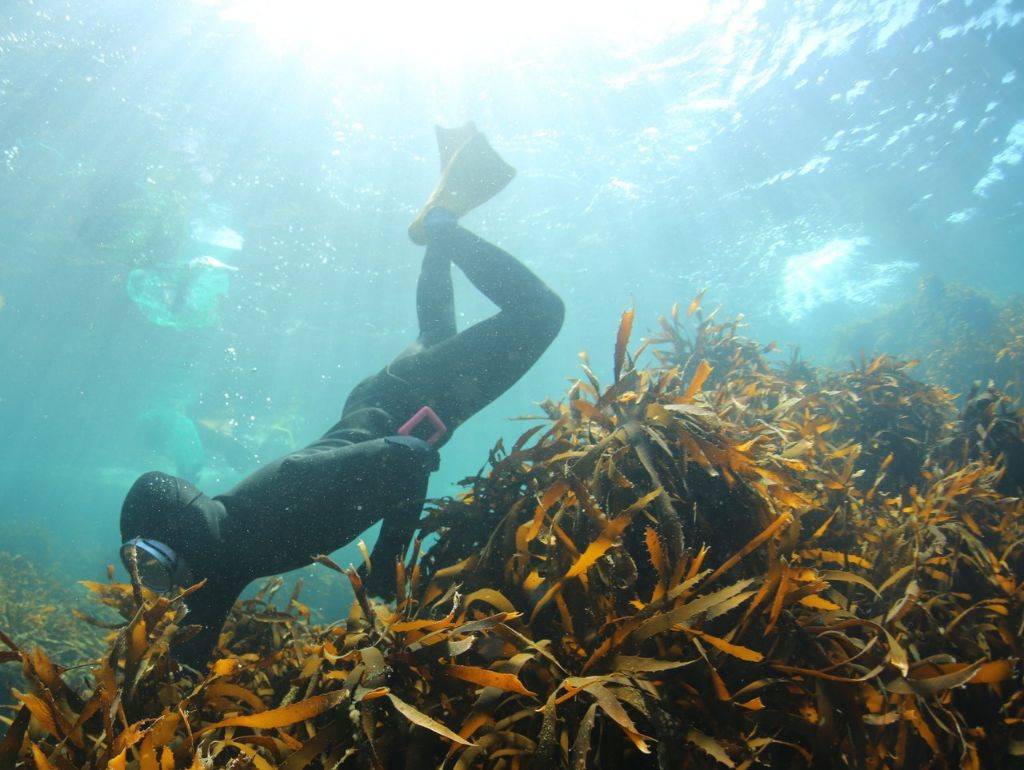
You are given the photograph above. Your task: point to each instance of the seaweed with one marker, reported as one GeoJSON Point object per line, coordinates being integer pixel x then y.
{"type": "Point", "coordinates": [36, 608]}
{"type": "Point", "coordinates": [712, 560]}
{"type": "Point", "coordinates": [959, 334]}
{"type": "Point", "coordinates": [990, 427]}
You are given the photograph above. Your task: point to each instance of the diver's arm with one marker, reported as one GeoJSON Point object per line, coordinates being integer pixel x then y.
{"type": "Point", "coordinates": [319, 499]}
{"type": "Point", "coordinates": [208, 608]}
{"type": "Point", "coordinates": [407, 457]}
{"type": "Point", "coordinates": [396, 531]}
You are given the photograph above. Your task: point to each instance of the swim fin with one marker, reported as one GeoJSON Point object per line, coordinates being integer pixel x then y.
{"type": "Point", "coordinates": [450, 140]}
{"type": "Point", "coordinates": [472, 173]}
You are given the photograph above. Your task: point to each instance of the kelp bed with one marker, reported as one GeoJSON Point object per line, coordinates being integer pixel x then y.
{"type": "Point", "coordinates": [714, 561]}
{"type": "Point", "coordinates": [37, 607]}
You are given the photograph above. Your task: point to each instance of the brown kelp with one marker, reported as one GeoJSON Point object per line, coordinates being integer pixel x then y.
{"type": "Point", "coordinates": [991, 427]}
{"type": "Point", "coordinates": [36, 609]}
{"type": "Point", "coordinates": [959, 334]}
{"type": "Point", "coordinates": [710, 561]}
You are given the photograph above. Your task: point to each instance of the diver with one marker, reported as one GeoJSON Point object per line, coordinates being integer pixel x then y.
{"type": "Point", "coordinates": [374, 463]}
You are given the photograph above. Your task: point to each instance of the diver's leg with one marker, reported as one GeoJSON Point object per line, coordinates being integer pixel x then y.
{"type": "Point", "coordinates": [435, 303]}
{"type": "Point", "coordinates": [435, 298]}
{"type": "Point", "coordinates": [499, 276]}
{"type": "Point", "coordinates": [464, 373]}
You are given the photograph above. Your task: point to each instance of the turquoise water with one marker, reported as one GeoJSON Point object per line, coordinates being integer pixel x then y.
{"type": "Point", "coordinates": [203, 205]}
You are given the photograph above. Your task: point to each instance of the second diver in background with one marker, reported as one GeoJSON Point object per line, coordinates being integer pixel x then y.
{"type": "Point", "coordinates": [374, 463]}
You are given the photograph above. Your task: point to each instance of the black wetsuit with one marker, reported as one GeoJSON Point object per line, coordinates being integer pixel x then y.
{"type": "Point", "coordinates": [321, 497]}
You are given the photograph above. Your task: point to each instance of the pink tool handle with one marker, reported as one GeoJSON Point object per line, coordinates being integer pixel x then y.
{"type": "Point", "coordinates": [425, 413]}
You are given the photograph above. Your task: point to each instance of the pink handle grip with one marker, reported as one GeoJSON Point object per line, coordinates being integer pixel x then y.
{"type": "Point", "coordinates": [425, 413]}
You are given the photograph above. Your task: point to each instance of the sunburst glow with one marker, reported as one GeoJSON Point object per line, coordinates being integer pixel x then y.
{"type": "Point", "coordinates": [448, 32]}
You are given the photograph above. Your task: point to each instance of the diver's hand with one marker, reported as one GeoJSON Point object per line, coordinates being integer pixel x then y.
{"type": "Point", "coordinates": [424, 452]}
{"type": "Point", "coordinates": [378, 584]}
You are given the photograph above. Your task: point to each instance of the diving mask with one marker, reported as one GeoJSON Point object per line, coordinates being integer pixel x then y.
{"type": "Point", "coordinates": [160, 568]}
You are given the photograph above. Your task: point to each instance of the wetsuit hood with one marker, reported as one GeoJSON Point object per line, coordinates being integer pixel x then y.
{"type": "Point", "coordinates": [175, 512]}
